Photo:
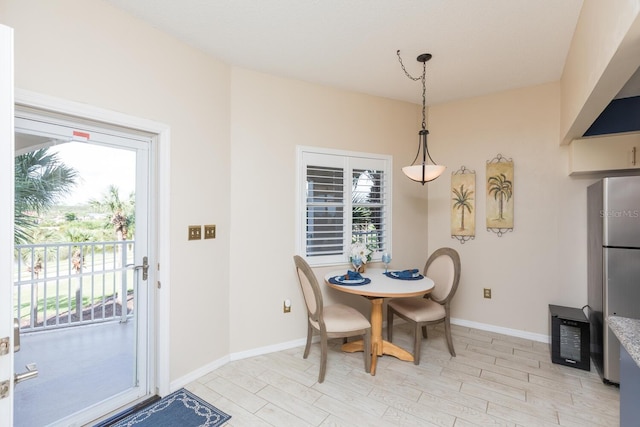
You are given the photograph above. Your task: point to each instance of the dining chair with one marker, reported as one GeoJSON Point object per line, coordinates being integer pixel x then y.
{"type": "Point", "coordinates": [443, 267]}
{"type": "Point", "coordinates": [331, 321]}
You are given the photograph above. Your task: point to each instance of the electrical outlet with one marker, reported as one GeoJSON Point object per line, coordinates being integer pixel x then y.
{"type": "Point", "coordinates": [286, 306]}
{"type": "Point", "coordinates": [487, 293]}
{"type": "Point", "coordinates": [210, 231]}
{"type": "Point", "coordinates": [195, 232]}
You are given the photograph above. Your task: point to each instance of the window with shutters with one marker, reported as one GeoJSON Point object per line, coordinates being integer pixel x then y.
{"type": "Point", "coordinates": [344, 197]}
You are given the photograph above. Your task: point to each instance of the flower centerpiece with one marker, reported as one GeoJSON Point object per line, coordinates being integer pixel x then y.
{"type": "Point", "coordinates": [360, 251]}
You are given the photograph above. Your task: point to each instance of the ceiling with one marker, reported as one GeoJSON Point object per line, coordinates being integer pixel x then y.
{"type": "Point", "coordinates": [478, 47]}
{"type": "Point", "coordinates": [632, 87]}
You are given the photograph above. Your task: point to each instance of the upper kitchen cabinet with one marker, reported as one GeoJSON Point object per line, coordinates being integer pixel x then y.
{"type": "Point", "coordinates": [612, 142]}
{"type": "Point", "coordinates": [613, 152]}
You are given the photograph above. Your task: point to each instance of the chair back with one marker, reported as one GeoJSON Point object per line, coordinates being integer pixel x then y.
{"type": "Point", "coordinates": [443, 267]}
{"type": "Point", "coordinates": [310, 288]}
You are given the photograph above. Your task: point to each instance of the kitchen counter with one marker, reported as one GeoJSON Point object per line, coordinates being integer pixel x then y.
{"type": "Point", "coordinates": [628, 333]}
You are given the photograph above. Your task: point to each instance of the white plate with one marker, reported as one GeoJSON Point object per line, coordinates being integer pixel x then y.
{"type": "Point", "coordinates": [341, 279]}
{"type": "Point", "coordinates": [395, 274]}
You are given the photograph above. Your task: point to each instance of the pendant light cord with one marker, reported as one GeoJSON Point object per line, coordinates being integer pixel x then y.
{"type": "Point", "coordinates": [424, 86]}
{"type": "Point", "coordinates": [424, 98]}
{"type": "Point", "coordinates": [405, 70]}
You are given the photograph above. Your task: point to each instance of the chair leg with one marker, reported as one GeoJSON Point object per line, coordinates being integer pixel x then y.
{"type": "Point", "coordinates": [424, 331]}
{"type": "Point", "coordinates": [367, 351]}
{"type": "Point", "coordinates": [309, 336]}
{"type": "Point", "coordinates": [447, 332]}
{"type": "Point", "coordinates": [389, 324]}
{"type": "Point", "coordinates": [323, 357]}
{"type": "Point", "coordinates": [417, 342]}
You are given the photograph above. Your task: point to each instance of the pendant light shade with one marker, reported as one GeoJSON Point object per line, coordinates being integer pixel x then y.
{"type": "Point", "coordinates": [422, 172]}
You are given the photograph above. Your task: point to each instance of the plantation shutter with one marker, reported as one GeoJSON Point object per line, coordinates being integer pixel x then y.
{"type": "Point", "coordinates": [325, 207]}
{"type": "Point", "coordinates": [344, 198]}
{"type": "Point", "coordinates": [368, 222]}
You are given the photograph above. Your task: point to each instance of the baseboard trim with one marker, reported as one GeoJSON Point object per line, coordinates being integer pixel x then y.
{"type": "Point", "coordinates": [271, 348]}
{"type": "Point", "coordinates": [178, 383]}
{"type": "Point", "coordinates": [194, 375]}
{"type": "Point", "coordinates": [501, 330]}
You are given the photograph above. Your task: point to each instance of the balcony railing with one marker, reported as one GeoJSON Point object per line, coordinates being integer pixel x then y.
{"type": "Point", "coordinates": [68, 284]}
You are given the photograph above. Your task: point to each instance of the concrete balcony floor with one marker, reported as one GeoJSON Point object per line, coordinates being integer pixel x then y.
{"type": "Point", "coordinates": [77, 367]}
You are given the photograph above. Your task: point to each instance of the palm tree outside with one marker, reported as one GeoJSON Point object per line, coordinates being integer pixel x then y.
{"type": "Point", "coordinates": [41, 180]}
{"type": "Point", "coordinates": [122, 211]}
{"type": "Point", "coordinates": [52, 237]}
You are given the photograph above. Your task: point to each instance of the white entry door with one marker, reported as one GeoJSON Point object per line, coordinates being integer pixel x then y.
{"type": "Point", "coordinates": [92, 357]}
{"type": "Point", "coordinates": [6, 219]}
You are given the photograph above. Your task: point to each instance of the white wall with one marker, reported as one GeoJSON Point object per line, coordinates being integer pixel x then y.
{"type": "Point", "coordinates": [226, 294]}
{"type": "Point", "coordinates": [233, 136]}
{"type": "Point", "coordinates": [543, 260]}
{"type": "Point", "coordinates": [89, 52]}
{"type": "Point", "coordinates": [270, 116]}
{"type": "Point", "coordinates": [604, 53]}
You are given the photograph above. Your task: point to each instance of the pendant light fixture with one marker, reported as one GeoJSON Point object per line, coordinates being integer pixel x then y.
{"type": "Point", "coordinates": [422, 172]}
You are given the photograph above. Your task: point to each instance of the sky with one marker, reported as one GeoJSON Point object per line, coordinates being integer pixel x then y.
{"type": "Point", "coordinates": [98, 168]}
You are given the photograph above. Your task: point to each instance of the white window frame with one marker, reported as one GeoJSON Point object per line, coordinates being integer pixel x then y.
{"type": "Point", "coordinates": [348, 161]}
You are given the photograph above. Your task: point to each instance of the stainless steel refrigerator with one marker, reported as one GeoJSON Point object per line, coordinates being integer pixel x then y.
{"type": "Point", "coordinates": [613, 265]}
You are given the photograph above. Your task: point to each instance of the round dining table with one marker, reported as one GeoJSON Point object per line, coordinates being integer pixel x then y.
{"type": "Point", "coordinates": [380, 287]}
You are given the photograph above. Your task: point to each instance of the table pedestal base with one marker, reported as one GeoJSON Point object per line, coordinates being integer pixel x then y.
{"type": "Point", "coordinates": [379, 349]}
{"type": "Point", "coordinates": [378, 345]}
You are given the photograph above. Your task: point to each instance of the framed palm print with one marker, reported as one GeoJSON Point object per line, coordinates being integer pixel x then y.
{"type": "Point", "coordinates": [463, 204]}
{"type": "Point", "coordinates": [500, 194]}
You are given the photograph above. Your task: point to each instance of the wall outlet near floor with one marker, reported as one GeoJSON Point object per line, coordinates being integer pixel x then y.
{"type": "Point", "coordinates": [286, 306]}
{"type": "Point", "coordinates": [487, 293]}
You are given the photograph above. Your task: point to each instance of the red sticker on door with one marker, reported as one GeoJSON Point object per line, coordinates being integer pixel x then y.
{"type": "Point", "coordinates": [84, 135]}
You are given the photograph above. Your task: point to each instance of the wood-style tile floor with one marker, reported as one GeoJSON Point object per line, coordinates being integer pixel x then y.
{"type": "Point", "coordinates": [495, 380]}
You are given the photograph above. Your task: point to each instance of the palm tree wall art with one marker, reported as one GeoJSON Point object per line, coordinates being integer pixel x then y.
{"type": "Point", "coordinates": [500, 192]}
{"type": "Point", "coordinates": [463, 209]}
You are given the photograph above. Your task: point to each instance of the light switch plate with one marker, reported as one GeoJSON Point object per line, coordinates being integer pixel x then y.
{"type": "Point", "coordinates": [195, 232]}
{"type": "Point", "coordinates": [210, 231]}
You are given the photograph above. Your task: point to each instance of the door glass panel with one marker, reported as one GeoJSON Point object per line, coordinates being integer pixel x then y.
{"type": "Point", "coordinates": [76, 293]}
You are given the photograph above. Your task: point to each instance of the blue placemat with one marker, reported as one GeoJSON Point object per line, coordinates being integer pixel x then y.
{"type": "Point", "coordinates": [340, 280]}
{"type": "Point", "coordinates": [403, 275]}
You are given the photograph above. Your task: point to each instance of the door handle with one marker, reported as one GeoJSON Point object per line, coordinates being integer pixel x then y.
{"type": "Point", "coordinates": [32, 372]}
{"type": "Point", "coordinates": [16, 334]}
{"type": "Point", "coordinates": [144, 267]}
